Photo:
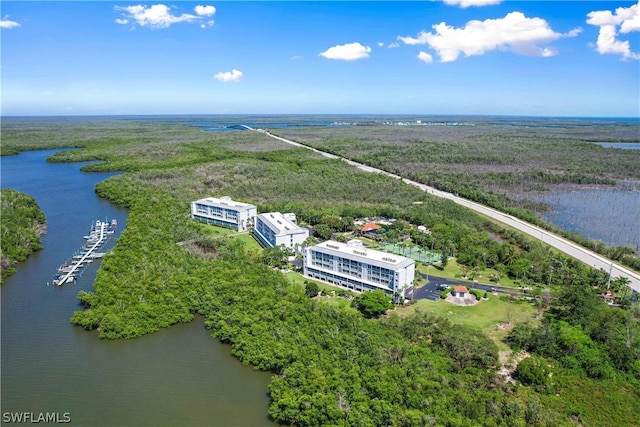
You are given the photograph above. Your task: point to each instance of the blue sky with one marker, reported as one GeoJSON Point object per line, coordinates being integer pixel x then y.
{"type": "Point", "coordinates": [537, 58]}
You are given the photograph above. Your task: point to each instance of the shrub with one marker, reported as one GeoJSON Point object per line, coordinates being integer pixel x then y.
{"type": "Point", "coordinates": [311, 289]}
{"type": "Point", "coordinates": [533, 371]}
{"type": "Point", "coordinates": [476, 293]}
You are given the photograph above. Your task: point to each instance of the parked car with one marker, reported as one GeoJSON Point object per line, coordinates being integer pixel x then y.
{"type": "Point", "coordinates": [442, 287]}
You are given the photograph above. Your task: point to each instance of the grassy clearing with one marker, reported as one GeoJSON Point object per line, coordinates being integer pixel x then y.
{"type": "Point", "coordinates": [484, 315]}
{"type": "Point", "coordinates": [250, 242]}
{"type": "Point", "coordinates": [494, 316]}
{"type": "Point", "coordinates": [297, 278]}
{"type": "Point", "coordinates": [221, 230]}
{"type": "Point", "coordinates": [247, 238]}
{"type": "Point", "coordinates": [337, 302]}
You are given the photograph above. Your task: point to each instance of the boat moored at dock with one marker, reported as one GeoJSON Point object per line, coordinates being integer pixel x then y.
{"type": "Point", "coordinates": [99, 234]}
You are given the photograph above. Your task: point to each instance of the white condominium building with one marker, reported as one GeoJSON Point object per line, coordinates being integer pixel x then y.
{"type": "Point", "coordinates": [225, 212]}
{"type": "Point", "coordinates": [274, 229]}
{"type": "Point", "coordinates": [353, 266]}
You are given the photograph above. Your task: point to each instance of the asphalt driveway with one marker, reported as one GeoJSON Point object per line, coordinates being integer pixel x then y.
{"type": "Point", "coordinates": [432, 289]}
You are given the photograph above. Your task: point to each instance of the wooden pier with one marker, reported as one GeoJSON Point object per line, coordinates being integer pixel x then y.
{"type": "Point", "coordinates": [99, 234]}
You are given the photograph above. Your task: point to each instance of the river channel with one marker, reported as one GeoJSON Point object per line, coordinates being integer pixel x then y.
{"type": "Point", "coordinates": [178, 376]}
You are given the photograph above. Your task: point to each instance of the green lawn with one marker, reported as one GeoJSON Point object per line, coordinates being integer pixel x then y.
{"type": "Point", "coordinates": [490, 315]}
{"type": "Point", "coordinates": [484, 315]}
{"type": "Point", "coordinates": [338, 302]}
{"type": "Point", "coordinates": [246, 237]}
{"type": "Point", "coordinates": [295, 277]}
{"type": "Point", "coordinates": [453, 271]}
{"type": "Point", "coordinates": [215, 229]}
{"type": "Point", "coordinates": [249, 241]}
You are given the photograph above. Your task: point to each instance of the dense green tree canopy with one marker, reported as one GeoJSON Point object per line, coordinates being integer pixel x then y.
{"type": "Point", "coordinates": [22, 224]}
{"type": "Point", "coordinates": [331, 365]}
{"type": "Point", "coordinates": [372, 303]}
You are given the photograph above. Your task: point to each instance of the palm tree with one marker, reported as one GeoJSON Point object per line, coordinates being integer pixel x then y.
{"type": "Point", "coordinates": [509, 255]}
{"type": "Point", "coordinates": [403, 246]}
{"type": "Point", "coordinates": [620, 285]}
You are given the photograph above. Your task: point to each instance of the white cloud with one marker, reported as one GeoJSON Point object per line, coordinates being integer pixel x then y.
{"type": "Point", "coordinates": [425, 57]}
{"type": "Point", "coordinates": [393, 45]}
{"type": "Point", "coordinates": [380, 44]}
{"type": "Point", "coordinates": [627, 18]}
{"type": "Point", "coordinates": [515, 32]}
{"type": "Point", "coordinates": [228, 76]}
{"type": "Point", "coordinates": [205, 10]}
{"type": "Point", "coordinates": [574, 32]}
{"type": "Point", "coordinates": [347, 52]}
{"type": "Point", "coordinates": [7, 24]}
{"type": "Point", "coordinates": [156, 16]}
{"type": "Point", "coordinates": [467, 3]}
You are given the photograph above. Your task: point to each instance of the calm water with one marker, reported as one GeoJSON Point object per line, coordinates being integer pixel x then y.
{"type": "Point", "coordinates": [179, 376]}
{"type": "Point", "coordinates": [622, 145]}
{"type": "Point", "coordinates": [611, 216]}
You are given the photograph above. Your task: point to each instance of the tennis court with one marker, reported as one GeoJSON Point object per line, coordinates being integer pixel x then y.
{"type": "Point", "coordinates": [414, 252]}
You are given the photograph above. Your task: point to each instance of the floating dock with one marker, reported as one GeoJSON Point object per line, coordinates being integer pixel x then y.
{"type": "Point", "coordinates": [100, 233]}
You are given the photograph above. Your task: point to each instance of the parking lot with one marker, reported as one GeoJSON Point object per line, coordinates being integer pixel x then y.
{"type": "Point", "coordinates": [431, 290]}
{"type": "Point", "coordinates": [436, 285]}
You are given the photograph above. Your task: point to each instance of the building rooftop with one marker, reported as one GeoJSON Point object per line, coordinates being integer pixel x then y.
{"type": "Point", "coordinates": [279, 221]}
{"type": "Point", "coordinates": [370, 226]}
{"type": "Point", "coordinates": [225, 201]}
{"type": "Point", "coordinates": [460, 289]}
{"type": "Point", "coordinates": [608, 295]}
{"type": "Point", "coordinates": [355, 247]}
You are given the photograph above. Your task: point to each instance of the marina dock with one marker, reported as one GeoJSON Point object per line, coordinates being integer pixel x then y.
{"type": "Point", "coordinates": [100, 233]}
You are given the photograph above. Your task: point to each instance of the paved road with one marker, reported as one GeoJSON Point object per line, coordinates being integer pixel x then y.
{"type": "Point", "coordinates": [432, 289]}
{"type": "Point", "coordinates": [436, 285]}
{"type": "Point", "coordinates": [584, 255]}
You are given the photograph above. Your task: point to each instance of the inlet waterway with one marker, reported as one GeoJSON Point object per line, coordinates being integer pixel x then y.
{"type": "Point", "coordinates": [178, 376]}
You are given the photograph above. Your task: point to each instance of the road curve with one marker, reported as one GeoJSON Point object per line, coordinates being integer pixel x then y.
{"type": "Point", "coordinates": [586, 256]}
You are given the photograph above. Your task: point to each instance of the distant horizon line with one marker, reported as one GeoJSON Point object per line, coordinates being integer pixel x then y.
{"type": "Point", "coordinates": [2, 116]}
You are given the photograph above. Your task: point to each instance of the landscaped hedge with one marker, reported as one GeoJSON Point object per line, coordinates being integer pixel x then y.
{"type": "Point", "coordinates": [444, 294]}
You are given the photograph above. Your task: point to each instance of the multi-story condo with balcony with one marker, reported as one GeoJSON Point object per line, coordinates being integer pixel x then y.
{"type": "Point", "coordinates": [225, 212]}
{"type": "Point", "coordinates": [275, 229]}
{"type": "Point", "coordinates": [353, 266]}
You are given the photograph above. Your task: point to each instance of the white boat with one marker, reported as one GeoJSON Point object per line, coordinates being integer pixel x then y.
{"type": "Point", "coordinates": [73, 268]}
